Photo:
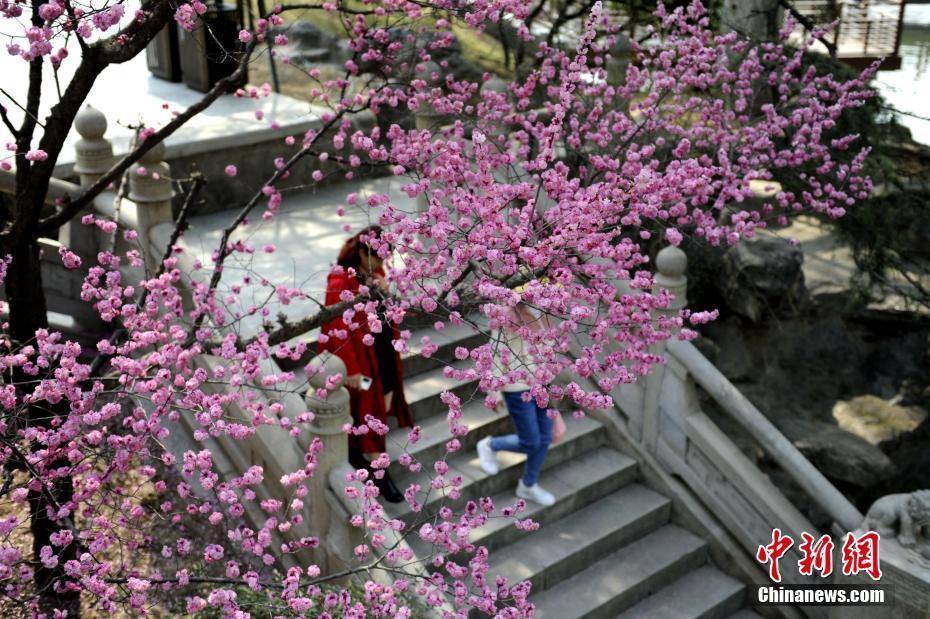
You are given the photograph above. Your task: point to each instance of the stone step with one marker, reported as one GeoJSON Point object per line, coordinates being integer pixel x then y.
{"type": "Point", "coordinates": [448, 340]}
{"type": "Point", "coordinates": [706, 593]}
{"type": "Point", "coordinates": [584, 537]}
{"type": "Point", "coordinates": [423, 393]}
{"type": "Point", "coordinates": [575, 484]}
{"type": "Point", "coordinates": [434, 434]}
{"type": "Point", "coordinates": [620, 580]}
{"type": "Point", "coordinates": [745, 614]}
{"type": "Point", "coordinates": [582, 436]}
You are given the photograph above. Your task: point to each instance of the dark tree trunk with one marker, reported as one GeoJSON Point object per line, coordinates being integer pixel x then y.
{"type": "Point", "coordinates": [24, 292]}
{"type": "Point", "coordinates": [28, 314]}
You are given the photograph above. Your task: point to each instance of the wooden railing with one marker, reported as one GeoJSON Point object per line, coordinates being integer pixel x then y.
{"type": "Point", "coordinates": [865, 31]}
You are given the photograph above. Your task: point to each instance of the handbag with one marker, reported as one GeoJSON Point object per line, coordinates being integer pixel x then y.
{"type": "Point", "coordinates": [558, 428]}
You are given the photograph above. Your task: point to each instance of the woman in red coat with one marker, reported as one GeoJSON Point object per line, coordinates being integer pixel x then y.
{"type": "Point", "coordinates": [377, 360]}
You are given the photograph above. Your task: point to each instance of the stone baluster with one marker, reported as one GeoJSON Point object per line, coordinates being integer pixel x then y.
{"type": "Point", "coordinates": [93, 153]}
{"type": "Point", "coordinates": [331, 413]}
{"type": "Point", "coordinates": [93, 156]}
{"type": "Point", "coordinates": [671, 265]}
{"type": "Point", "coordinates": [150, 188]}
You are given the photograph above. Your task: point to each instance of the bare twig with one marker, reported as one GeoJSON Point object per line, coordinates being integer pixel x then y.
{"type": "Point", "coordinates": [17, 104]}
{"type": "Point", "coordinates": [223, 250]}
{"type": "Point", "coordinates": [9, 124]}
{"type": "Point", "coordinates": [288, 330]}
{"type": "Point", "coordinates": [808, 24]}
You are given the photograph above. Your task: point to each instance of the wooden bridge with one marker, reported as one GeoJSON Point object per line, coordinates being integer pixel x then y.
{"type": "Point", "coordinates": [865, 31]}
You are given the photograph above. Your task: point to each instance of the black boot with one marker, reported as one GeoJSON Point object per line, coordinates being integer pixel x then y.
{"type": "Point", "coordinates": [389, 492]}
{"type": "Point", "coordinates": [386, 486]}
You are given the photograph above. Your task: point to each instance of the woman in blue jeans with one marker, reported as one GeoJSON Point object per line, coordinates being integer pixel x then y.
{"type": "Point", "coordinates": [530, 421]}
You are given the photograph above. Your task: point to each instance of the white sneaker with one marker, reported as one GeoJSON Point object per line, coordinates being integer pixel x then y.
{"type": "Point", "coordinates": [486, 456]}
{"type": "Point", "coordinates": [535, 493]}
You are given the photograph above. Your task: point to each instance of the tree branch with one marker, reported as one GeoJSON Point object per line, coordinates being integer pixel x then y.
{"type": "Point", "coordinates": [72, 208]}
{"type": "Point", "coordinates": [288, 330]}
{"type": "Point", "coordinates": [125, 44]}
{"type": "Point", "coordinates": [223, 249]}
{"type": "Point", "coordinates": [9, 124]}
{"type": "Point", "coordinates": [179, 227]}
{"type": "Point", "coordinates": [807, 23]}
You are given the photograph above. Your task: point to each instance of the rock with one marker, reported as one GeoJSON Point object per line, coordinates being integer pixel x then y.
{"type": "Point", "coordinates": [733, 356]}
{"type": "Point", "coordinates": [309, 56]}
{"type": "Point", "coordinates": [825, 354]}
{"type": "Point", "coordinates": [307, 35]}
{"type": "Point", "coordinates": [762, 273]}
{"type": "Point", "coordinates": [875, 419]}
{"type": "Point", "coordinates": [838, 454]}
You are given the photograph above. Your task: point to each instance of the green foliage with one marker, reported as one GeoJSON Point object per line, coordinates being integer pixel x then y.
{"type": "Point", "coordinates": [889, 234]}
{"type": "Point", "coordinates": [890, 239]}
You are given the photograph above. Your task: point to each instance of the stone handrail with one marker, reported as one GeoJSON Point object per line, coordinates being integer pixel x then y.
{"type": "Point", "coordinates": [812, 481]}
{"type": "Point", "coordinates": [57, 189]}
{"type": "Point", "coordinates": [661, 417]}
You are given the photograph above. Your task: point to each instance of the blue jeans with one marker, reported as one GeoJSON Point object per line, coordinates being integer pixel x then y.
{"type": "Point", "coordinates": [534, 434]}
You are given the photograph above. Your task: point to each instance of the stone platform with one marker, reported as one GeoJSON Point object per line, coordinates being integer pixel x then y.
{"type": "Point", "coordinates": [226, 132]}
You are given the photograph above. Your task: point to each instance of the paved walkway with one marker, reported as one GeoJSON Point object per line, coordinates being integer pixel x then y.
{"type": "Point", "coordinates": [829, 265]}
{"type": "Point", "coordinates": [307, 233]}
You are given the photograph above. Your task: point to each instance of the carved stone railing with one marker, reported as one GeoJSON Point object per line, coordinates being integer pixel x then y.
{"type": "Point", "coordinates": [663, 417]}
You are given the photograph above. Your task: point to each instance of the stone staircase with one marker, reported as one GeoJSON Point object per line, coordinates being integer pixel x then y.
{"type": "Point", "coordinates": [606, 548]}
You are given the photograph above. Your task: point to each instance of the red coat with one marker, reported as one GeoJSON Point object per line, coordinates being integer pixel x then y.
{"type": "Point", "coordinates": [361, 359]}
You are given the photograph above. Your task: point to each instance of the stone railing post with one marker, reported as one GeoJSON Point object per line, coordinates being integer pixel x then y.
{"type": "Point", "coordinates": [671, 265]}
{"type": "Point", "coordinates": [93, 156]}
{"type": "Point", "coordinates": [331, 413]}
{"type": "Point", "coordinates": [93, 153]}
{"type": "Point", "coordinates": [151, 190]}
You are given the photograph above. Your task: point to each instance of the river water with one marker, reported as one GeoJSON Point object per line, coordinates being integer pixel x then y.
{"type": "Point", "coordinates": [908, 89]}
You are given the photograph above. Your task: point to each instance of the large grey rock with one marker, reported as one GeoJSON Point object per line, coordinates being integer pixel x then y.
{"type": "Point", "coordinates": [762, 273]}
{"type": "Point", "coordinates": [307, 35]}
{"type": "Point", "coordinates": [838, 454]}
{"type": "Point", "coordinates": [733, 356]}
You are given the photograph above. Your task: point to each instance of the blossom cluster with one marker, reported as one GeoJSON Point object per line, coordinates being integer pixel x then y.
{"type": "Point", "coordinates": [548, 193]}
